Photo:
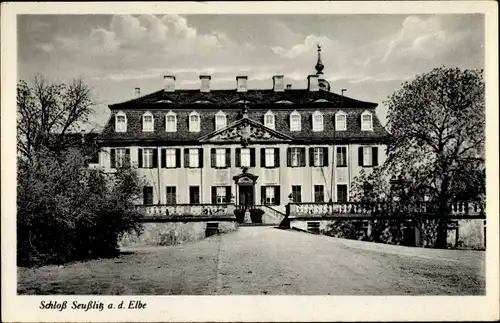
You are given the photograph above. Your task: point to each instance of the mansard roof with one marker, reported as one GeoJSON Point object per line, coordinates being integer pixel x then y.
{"type": "Point", "coordinates": [282, 124]}
{"type": "Point", "coordinates": [183, 98]}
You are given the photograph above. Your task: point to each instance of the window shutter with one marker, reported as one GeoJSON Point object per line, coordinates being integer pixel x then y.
{"type": "Point", "coordinates": [262, 157]}
{"type": "Point", "coordinates": [200, 156]}
{"type": "Point", "coordinates": [237, 161]}
{"type": "Point", "coordinates": [375, 156]}
{"type": "Point", "coordinates": [186, 157]}
{"type": "Point", "coordinates": [325, 156]}
{"type": "Point", "coordinates": [263, 194]}
{"type": "Point", "coordinates": [360, 156]}
{"type": "Point", "coordinates": [276, 157]}
{"type": "Point", "coordinates": [178, 158]}
{"type": "Point", "coordinates": [289, 157]}
{"type": "Point", "coordinates": [252, 157]}
{"type": "Point", "coordinates": [163, 158]}
{"type": "Point", "coordinates": [311, 156]}
{"type": "Point", "coordinates": [127, 156]}
{"type": "Point", "coordinates": [214, 195]}
{"type": "Point", "coordinates": [228, 157]}
{"type": "Point", "coordinates": [228, 194]}
{"type": "Point", "coordinates": [155, 158]}
{"type": "Point", "coordinates": [140, 157]}
{"type": "Point", "coordinates": [277, 195]}
{"type": "Point", "coordinates": [302, 157]}
{"type": "Point", "coordinates": [113, 158]}
{"type": "Point", "coordinates": [212, 157]}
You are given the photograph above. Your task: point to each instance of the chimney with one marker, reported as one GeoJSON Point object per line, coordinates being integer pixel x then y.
{"type": "Point", "coordinates": [278, 83]}
{"type": "Point", "coordinates": [289, 86]}
{"type": "Point", "coordinates": [137, 92]}
{"type": "Point", "coordinates": [312, 81]}
{"type": "Point", "coordinates": [169, 83]}
{"type": "Point", "coordinates": [241, 83]}
{"type": "Point", "coordinates": [205, 83]}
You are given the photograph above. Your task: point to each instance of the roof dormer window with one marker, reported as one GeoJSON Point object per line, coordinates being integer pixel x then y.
{"type": "Point", "coordinates": [220, 120]}
{"type": "Point", "coordinates": [341, 121]}
{"type": "Point", "coordinates": [366, 121]}
{"type": "Point", "coordinates": [194, 122]}
{"type": "Point", "coordinates": [317, 121]}
{"type": "Point", "coordinates": [295, 124]}
{"type": "Point", "coordinates": [121, 122]}
{"type": "Point", "coordinates": [284, 102]}
{"type": "Point", "coordinates": [147, 122]}
{"type": "Point", "coordinates": [171, 122]}
{"type": "Point", "coordinates": [269, 120]}
{"type": "Point", "coordinates": [321, 101]}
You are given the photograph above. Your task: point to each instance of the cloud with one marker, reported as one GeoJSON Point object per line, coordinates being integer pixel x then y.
{"type": "Point", "coordinates": [308, 46]}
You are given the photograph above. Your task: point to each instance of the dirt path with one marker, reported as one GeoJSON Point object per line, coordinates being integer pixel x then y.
{"type": "Point", "coordinates": [264, 260]}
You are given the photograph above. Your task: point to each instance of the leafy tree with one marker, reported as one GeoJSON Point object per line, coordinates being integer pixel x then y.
{"type": "Point", "coordinates": [437, 127]}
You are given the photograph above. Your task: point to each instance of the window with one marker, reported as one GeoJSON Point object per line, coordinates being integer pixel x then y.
{"type": "Point", "coordinates": [245, 157]}
{"type": "Point", "coordinates": [120, 122]}
{"type": "Point", "coordinates": [319, 194]}
{"type": "Point", "coordinates": [317, 121]}
{"type": "Point", "coordinates": [221, 194]}
{"type": "Point", "coordinates": [269, 120]}
{"type": "Point", "coordinates": [171, 122]}
{"type": "Point", "coordinates": [342, 193]}
{"type": "Point", "coordinates": [366, 121]}
{"type": "Point", "coordinates": [147, 194]}
{"type": "Point", "coordinates": [220, 159]}
{"type": "Point", "coordinates": [171, 158]}
{"type": "Point", "coordinates": [171, 195]}
{"type": "Point", "coordinates": [321, 101]}
{"type": "Point", "coordinates": [341, 156]}
{"type": "Point", "coordinates": [270, 195]}
{"type": "Point", "coordinates": [341, 121]}
{"type": "Point", "coordinates": [368, 156]}
{"type": "Point", "coordinates": [194, 122]}
{"type": "Point", "coordinates": [194, 158]}
{"type": "Point", "coordinates": [296, 157]}
{"type": "Point", "coordinates": [220, 120]}
{"type": "Point", "coordinates": [284, 102]}
{"type": "Point", "coordinates": [295, 121]}
{"type": "Point", "coordinates": [194, 195]}
{"type": "Point", "coordinates": [269, 157]}
{"type": "Point", "coordinates": [147, 158]}
{"type": "Point", "coordinates": [147, 122]}
{"type": "Point", "coordinates": [296, 194]}
{"type": "Point", "coordinates": [120, 157]}
{"type": "Point", "coordinates": [318, 157]}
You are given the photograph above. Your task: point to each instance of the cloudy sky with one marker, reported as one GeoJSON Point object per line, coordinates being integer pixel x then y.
{"type": "Point", "coordinates": [369, 55]}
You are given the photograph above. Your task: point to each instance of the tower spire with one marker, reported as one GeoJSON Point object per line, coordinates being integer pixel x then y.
{"type": "Point", "coordinates": [319, 65]}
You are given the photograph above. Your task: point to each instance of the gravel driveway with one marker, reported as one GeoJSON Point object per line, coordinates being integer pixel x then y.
{"type": "Point", "coordinates": [265, 260]}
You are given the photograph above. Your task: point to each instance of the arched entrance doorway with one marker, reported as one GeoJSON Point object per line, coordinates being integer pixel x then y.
{"type": "Point", "coordinates": [245, 188]}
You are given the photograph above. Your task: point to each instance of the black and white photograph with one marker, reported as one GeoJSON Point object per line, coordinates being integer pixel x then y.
{"type": "Point", "coordinates": [244, 154]}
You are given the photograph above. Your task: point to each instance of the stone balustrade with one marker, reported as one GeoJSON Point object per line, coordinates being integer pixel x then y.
{"type": "Point", "coordinates": [379, 208]}
{"type": "Point", "coordinates": [187, 210]}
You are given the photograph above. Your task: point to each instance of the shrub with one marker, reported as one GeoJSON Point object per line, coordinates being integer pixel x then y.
{"type": "Point", "coordinates": [67, 212]}
{"type": "Point", "coordinates": [256, 215]}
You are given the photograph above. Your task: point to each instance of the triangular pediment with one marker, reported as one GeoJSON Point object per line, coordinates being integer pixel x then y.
{"type": "Point", "coordinates": [245, 130]}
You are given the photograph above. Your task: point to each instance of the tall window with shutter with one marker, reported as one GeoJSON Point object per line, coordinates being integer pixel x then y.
{"type": "Point", "coordinates": [270, 195]}
{"type": "Point", "coordinates": [269, 157]}
{"type": "Point", "coordinates": [171, 195]}
{"type": "Point", "coordinates": [318, 156]}
{"type": "Point", "coordinates": [296, 194]}
{"type": "Point", "coordinates": [368, 156]}
{"type": "Point", "coordinates": [319, 194]}
{"type": "Point", "coordinates": [221, 194]}
{"type": "Point", "coordinates": [244, 157]}
{"type": "Point", "coordinates": [193, 157]}
{"type": "Point", "coordinates": [119, 157]}
{"type": "Point", "coordinates": [341, 156]}
{"type": "Point", "coordinates": [147, 194]}
{"type": "Point", "coordinates": [296, 157]}
{"type": "Point", "coordinates": [194, 194]}
{"type": "Point", "coordinates": [148, 157]}
{"type": "Point", "coordinates": [341, 193]}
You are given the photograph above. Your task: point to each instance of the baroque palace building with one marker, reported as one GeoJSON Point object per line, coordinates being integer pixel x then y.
{"type": "Point", "coordinates": [247, 146]}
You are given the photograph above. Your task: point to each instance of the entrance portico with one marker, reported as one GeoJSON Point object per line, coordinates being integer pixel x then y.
{"type": "Point", "coordinates": [245, 183]}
